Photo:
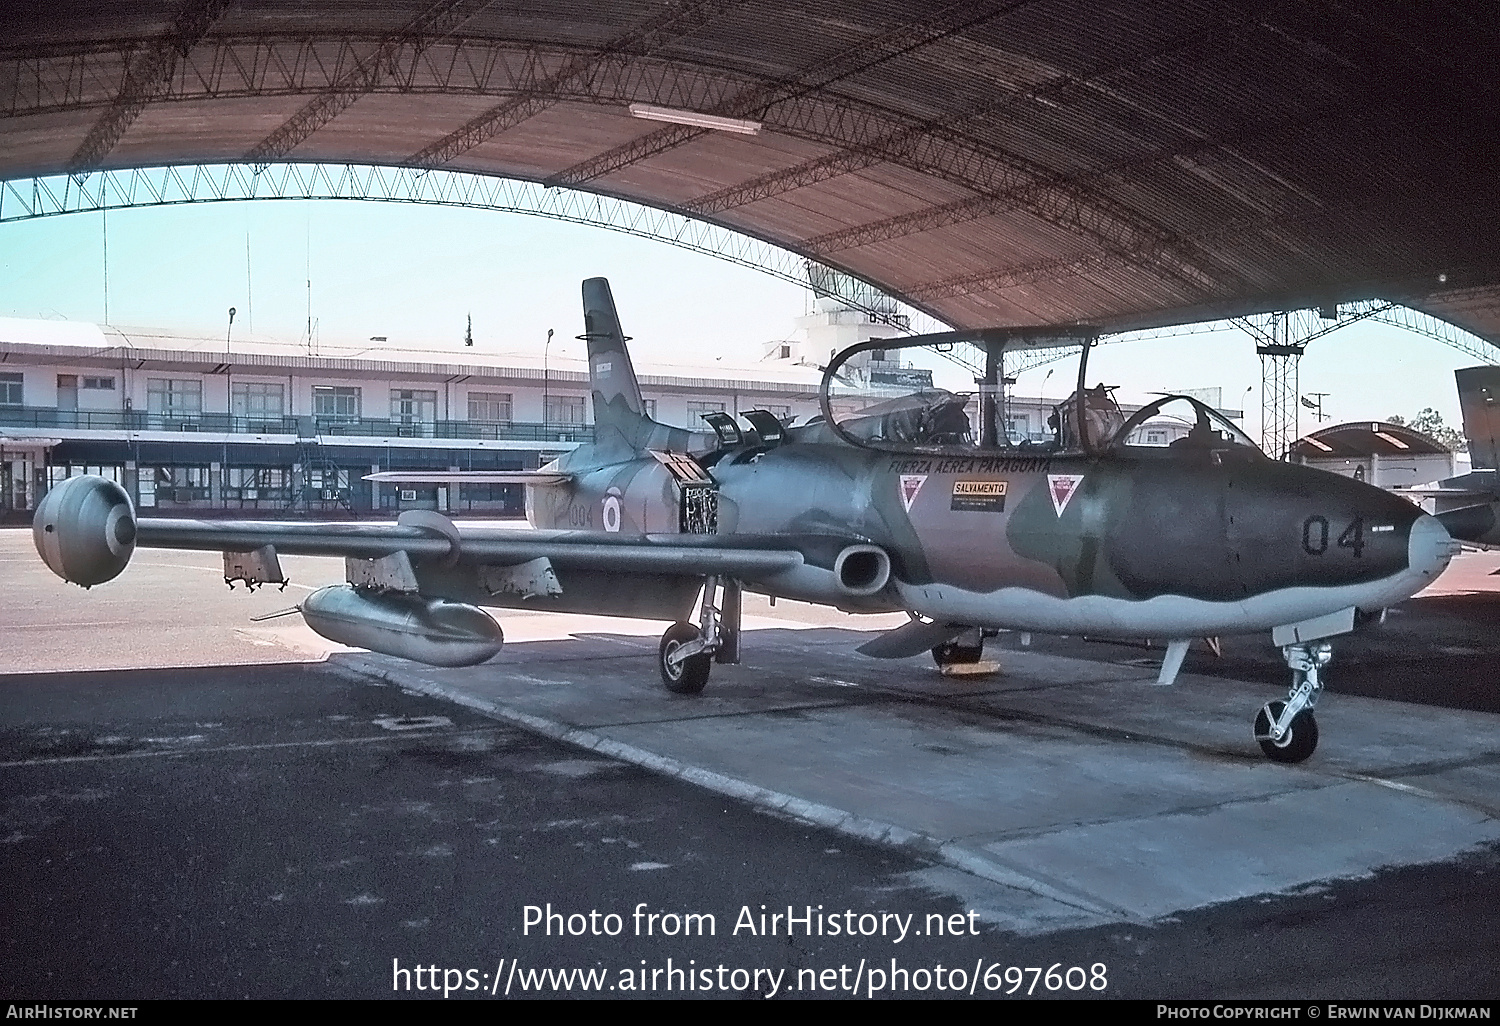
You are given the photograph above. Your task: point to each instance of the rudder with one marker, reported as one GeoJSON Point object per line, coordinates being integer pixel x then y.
{"type": "Point", "coordinates": [619, 414]}
{"type": "Point", "coordinates": [617, 393]}
{"type": "Point", "coordinates": [1479, 400]}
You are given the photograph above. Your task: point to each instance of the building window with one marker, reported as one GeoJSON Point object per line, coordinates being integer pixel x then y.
{"type": "Point", "coordinates": [413, 406]}
{"type": "Point", "coordinates": [327, 482]}
{"type": "Point", "coordinates": [257, 484]}
{"type": "Point", "coordinates": [180, 484]}
{"type": "Point", "coordinates": [565, 409]}
{"type": "Point", "coordinates": [335, 402]}
{"type": "Point", "coordinates": [10, 390]}
{"type": "Point", "coordinates": [58, 473]}
{"type": "Point", "coordinates": [489, 407]}
{"type": "Point", "coordinates": [648, 407]}
{"type": "Point", "coordinates": [697, 408]}
{"type": "Point", "coordinates": [781, 413]}
{"type": "Point", "coordinates": [507, 496]}
{"type": "Point", "coordinates": [258, 400]}
{"type": "Point", "coordinates": [107, 384]}
{"type": "Point", "coordinates": [174, 397]}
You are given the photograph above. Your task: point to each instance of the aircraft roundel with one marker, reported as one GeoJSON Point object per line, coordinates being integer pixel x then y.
{"type": "Point", "coordinates": [611, 512]}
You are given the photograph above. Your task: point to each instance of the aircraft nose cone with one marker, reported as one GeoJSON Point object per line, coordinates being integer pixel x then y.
{"type": "Point", "coordinates": [1429, 548]}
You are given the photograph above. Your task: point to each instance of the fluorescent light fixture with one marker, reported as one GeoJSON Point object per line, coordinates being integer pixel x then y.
{"type": "Point", "coordinates": [1392, 439]}
{"type": "Point", "coordinates": [694, 119]}
{"type": "Point", "coordinates": [1320, 445]}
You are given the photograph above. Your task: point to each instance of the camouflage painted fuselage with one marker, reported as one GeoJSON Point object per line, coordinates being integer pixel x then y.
{"type": "Point", "coordinates": [1160, 544]}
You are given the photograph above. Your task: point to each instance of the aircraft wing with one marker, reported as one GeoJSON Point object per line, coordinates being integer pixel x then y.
{"type": "Point", "coordinates": [670, 553]}
{"type": "Point", "coordinates": [86, 531]}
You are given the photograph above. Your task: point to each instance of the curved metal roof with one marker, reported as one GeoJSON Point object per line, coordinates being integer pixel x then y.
{"type": "Point", "coordinates": [1366, 438]}
{"type": "Point", "coordinates": [1121, 162]}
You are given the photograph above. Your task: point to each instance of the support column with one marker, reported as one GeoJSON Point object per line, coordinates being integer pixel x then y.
{"type": "Point", "coordinates": [989, 387]}
{"type": "Point", "coordinates": [1279, 422]}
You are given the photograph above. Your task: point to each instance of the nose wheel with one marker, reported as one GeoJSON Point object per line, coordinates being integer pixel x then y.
{"type": "Point", "coordinates": [1287, 731]}
{"type": "Point", "coordinates": [1296, 743]}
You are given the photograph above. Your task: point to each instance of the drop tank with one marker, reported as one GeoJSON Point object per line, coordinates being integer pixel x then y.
{"type": "Point", "coordinates": [434, 631]}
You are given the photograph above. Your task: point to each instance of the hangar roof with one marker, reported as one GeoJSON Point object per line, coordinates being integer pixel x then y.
{"type": "Point", "coordinates": [1121, 162]}
{"type": "Point", "coordinates": [1366, 438]}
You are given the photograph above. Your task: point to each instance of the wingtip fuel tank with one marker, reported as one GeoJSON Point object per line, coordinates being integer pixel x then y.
{"type": "Point", "coordinates": [85, 530]}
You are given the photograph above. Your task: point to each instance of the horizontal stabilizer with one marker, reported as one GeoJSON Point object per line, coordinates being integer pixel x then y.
{"type": "Point", "coordinates": [910, 639]}
{"type": "Point", "coordinates": [1439, 492]}
{"type": "Point", "coordinates": [1480, 484]}
{"type": "Point", "coordinates": [513, 477]}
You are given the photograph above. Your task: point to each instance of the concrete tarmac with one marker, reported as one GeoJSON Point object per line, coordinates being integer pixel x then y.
{"type": "Point", "coordinates": [1058, 798]}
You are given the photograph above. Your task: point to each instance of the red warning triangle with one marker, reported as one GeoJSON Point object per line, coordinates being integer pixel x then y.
{"type": "Point", "coordinates": [1061, 487]}
{"type": "Point", "coordinates": [911, 484]}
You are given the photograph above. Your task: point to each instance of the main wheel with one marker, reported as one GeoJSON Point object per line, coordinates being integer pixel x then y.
{"type": "Point", "coordinates": [689, 676]}
{"type": "Point", "coordinates": [951, 653]}
{"type": "Point", "coordinates": [1297, 744]}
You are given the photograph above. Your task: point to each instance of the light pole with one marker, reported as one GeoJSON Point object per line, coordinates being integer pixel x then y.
{"type": "Point", "coordinates": [546, 383]}
{"type": "Point", "coordinates": [228, 394]}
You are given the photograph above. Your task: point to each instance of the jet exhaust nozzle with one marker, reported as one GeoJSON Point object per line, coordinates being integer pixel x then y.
{"type": "Point", "coordinates": [862, 569]}
{"type": "Point", "coordinates": [426, 630]}
{"type": "Point", "coordinates": [84, 530]}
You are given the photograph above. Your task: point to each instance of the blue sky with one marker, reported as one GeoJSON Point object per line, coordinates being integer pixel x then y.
{"type": "Point", "coordinates": [413, 273]}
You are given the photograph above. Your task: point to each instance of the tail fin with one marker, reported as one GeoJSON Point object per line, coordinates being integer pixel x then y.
{"type": "Point", "coordinates": [617, 394]}
{"type": "Point", "coordinates": [619, 414]}
{"type": "Point", "coordinates": [1479, 399]}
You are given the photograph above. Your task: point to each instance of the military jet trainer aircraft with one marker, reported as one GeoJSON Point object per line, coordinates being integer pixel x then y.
{"type": "Point", "coordinates": [891, 500]}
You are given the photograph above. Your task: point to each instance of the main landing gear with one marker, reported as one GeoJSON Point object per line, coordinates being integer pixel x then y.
{"type": "Point", "coordinates": [963, 652]}
{"type": "Point", "coordinates": [687, 651]}
{"type": "Point", "coordinates": [1287, 731]}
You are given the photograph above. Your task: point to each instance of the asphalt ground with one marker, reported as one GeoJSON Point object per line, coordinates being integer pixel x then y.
{"type": "Point", "coordinates": [230, 829]}
{"type": "Point", "coordinates": [254, 832]}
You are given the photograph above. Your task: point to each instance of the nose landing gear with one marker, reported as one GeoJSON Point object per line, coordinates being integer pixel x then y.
{"type": "Point", "coordinates": [1287, 731]}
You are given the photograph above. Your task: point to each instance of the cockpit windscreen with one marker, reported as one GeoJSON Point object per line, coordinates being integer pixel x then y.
{"type": "Point", "coordinates": [921, 395]}
{"type": "Point", "coordinates": [948, 397]}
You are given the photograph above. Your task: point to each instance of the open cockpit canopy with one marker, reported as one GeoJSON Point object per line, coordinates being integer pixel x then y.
{"type": "Point", "coordinates": [949, 394]}
{"type": "Point", "coordinates": [1181, 427]}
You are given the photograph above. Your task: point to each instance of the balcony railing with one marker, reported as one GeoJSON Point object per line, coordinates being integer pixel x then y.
{"type": "Point", "coordinates": [45, 418]}
{"type": "Point", "coordinates": [141, 420]}
{"type": "Point", "coordinates": [366, 427]}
